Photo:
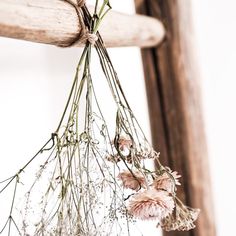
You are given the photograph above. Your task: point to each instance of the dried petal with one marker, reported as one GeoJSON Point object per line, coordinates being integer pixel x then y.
{"type": "Point", "coordinates": [124, 145]}
{"type": "Point", "coordinates": [132, 180]}
{"type": "Point", "coordinates": [151, 204]}
{"type": "Point", "coordinates": [167, 181]}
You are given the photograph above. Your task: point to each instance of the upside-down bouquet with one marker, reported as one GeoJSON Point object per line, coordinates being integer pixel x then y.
{"type": "Point", "coordinates": [95, 180]}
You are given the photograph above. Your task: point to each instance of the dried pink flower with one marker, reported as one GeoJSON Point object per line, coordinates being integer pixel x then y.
{"type": "Point", "coordinates": [132, 180]}
{"type": "Point", "coordinates": [167, 181]}
{"type": "Point", "coordinates": [124, 145]}
{"type": "Point", "coordinates": [151, 204]}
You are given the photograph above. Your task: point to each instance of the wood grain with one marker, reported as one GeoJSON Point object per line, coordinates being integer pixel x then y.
{"type": "Point", "coordinates": [174, 98]}
{"type": "Point", "coordinates": [56, 22]}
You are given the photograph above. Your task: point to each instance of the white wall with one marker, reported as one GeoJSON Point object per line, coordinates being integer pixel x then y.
{"type": "Point", "coordinates": [216, 36]}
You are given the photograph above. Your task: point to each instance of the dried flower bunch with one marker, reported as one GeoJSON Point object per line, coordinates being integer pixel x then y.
{"type": "Point", "coordinates": [95, 180]}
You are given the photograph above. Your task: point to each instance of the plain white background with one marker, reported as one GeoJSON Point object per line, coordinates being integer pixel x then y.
{"type": "Point", "coordinates": [216, 36]}
{"type": "Point", "coordinates": [35, 80]}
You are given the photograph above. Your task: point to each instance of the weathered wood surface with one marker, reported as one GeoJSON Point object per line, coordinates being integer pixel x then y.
{"type": "Point", "coordinates": [56, 22]}
{"type": "Point", "coordinates": [172, 82]}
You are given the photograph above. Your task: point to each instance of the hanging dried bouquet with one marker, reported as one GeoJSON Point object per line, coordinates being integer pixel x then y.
{"type": "Point", "coordinates": [93, 180]}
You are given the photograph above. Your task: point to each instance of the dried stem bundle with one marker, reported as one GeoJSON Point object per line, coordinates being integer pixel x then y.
{"type": "Point", "coordinates": [95, 182]}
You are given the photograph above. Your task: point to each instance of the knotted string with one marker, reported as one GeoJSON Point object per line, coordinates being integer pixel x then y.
{"type": "Point", "coordinates": [92, 38]}
{"type": "Point", "coordinates": [84, 34]}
